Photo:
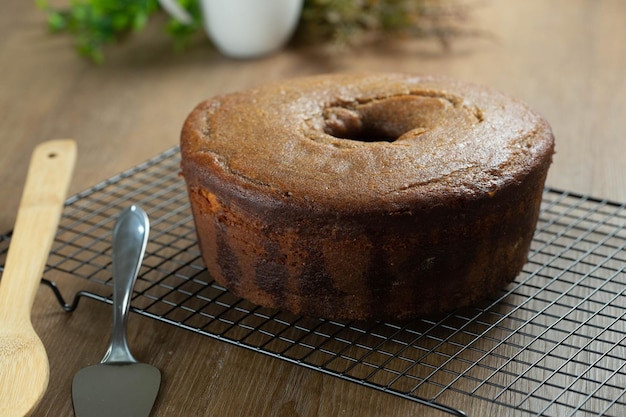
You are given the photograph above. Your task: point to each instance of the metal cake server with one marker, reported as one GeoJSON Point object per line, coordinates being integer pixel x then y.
{"type": "Point", "coordinates": [120, 386]}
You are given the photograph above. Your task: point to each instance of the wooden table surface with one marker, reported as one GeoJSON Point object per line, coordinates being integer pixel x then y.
{"type": "Point", "coordinates": [566, 58]}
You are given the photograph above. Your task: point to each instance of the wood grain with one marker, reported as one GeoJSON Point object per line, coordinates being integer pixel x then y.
{"type": "Point", "coordinates": [565, 58]}
{"type": "Point", "coordinates": [23, 359]}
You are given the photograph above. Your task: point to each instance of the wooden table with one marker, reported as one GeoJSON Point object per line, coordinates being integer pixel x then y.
{"type": "Point", "coordinates": [566, 58]}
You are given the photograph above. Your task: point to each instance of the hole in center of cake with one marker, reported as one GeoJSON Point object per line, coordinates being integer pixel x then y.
{"type": "Point", "coordinates": [350, 124]}
{"type": "Point", "coordinates": [386, 119]}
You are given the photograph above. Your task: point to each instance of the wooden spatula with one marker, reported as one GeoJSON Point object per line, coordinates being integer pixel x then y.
{"type": "Point", "coordinates": [24, 368]}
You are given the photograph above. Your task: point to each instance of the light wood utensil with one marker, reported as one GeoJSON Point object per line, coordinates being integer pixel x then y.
{"type": "Point", "coordinates": [24, 368]}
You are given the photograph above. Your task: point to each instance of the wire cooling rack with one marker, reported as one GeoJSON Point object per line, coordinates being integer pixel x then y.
{"type": "Point", "coordinates": [553, 344]}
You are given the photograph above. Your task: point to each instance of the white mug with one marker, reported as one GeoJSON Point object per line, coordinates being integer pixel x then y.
{"type": "Point", "coordinates": [250, 28]}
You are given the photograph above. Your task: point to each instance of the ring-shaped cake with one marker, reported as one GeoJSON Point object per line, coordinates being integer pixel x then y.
{"type": "Point", "coordinates": [365, 196]}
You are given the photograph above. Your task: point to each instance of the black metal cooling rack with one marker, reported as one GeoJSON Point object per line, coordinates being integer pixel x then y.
{"type": "Point", "coordinates": [553, 344]}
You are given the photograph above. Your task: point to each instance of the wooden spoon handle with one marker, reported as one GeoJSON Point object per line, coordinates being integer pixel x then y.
{"type": "Point", "coordinates": [47, 181]}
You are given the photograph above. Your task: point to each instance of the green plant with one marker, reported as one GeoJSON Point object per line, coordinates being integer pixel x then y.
{"type": "Point", "coordinates": [96, 23]}
{"type": "Point", "coordinates": [352, 22]}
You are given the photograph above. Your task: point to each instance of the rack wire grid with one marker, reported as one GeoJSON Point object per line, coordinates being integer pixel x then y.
{"type": "Point", "coordinates": [552, 344]}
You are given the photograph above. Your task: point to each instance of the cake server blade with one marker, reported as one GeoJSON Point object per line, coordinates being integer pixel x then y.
{"type": "Point", "coordinates": [120, 386]}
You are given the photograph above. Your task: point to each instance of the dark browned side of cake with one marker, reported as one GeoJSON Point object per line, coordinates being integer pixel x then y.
{"type": "Point", "coordinates": [442, 252]}
{"type": "Point", "coordinates": [371, 265]}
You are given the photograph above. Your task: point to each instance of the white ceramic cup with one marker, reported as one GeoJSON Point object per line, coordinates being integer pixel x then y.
{"type": "Point", "coordinates": [250, 28]}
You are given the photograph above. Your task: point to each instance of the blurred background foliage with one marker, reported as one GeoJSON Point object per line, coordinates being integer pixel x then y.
{"type": "Point", "coordinates": [96, 23]}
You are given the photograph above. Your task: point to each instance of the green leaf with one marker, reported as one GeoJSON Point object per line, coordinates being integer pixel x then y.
{"type": "Point", "coordinates": [57, 21]}
{"type": "Point", "coordinates": [140, 21]}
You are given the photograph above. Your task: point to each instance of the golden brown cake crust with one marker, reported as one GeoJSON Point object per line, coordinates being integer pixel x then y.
{"type": "Point", "coordinates": [365, 195]}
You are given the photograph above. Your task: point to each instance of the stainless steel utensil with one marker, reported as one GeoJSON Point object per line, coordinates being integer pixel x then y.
{"type": "Point", "coordinates": [120, 386]}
